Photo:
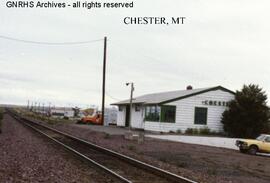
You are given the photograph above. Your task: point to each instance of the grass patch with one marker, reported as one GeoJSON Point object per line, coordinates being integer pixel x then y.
{"type": "Point", "coordinates": [212, 171]}
{"type": "Point", "coordinates": [107, 136]}
{"type": "Point", "coordinates": [182, 164]}
{"type": "Point", "coordinates": [131, 147]}
{"type": "Point", "coordinates": [44, 118]}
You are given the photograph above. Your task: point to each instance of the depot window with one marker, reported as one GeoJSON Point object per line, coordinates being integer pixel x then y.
{"type": "Point", "coordinates": [200, 116]}
{"type": "Point", "coordinates": [163, 114]}
{"type": "Point", "coordinates": [152, 113]}
{"type": "Point", "coordinates": [168, 114]}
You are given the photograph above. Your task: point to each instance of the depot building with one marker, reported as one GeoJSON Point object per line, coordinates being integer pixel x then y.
{"type": "Point", "coordinates": [176, 110]}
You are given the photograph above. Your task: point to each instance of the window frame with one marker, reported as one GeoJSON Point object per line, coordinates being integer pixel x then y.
{"type": "Point", "coordinates": [195, 116]}
{"type": "Point", "coordinates": [157, 112]}
{"type": "Point", "coordinates": [162, 108]}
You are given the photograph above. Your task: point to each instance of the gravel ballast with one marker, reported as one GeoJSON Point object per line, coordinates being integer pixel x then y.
{"type": "Point", "coordinates": [200, 163]}
{"type": "Point", "coordinates": [197, 162]}
{"type": "Point", "coordinates": [26, 156]}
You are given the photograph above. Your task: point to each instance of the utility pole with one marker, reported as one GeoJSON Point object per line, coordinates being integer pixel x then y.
{"type": "Point", "coordinates": [130, 104]}
{"type": "Point", "coordinates": [49, 110]}
{"type": "Point", "coordinates": [35, 106]}
{"type": "Point", "coordinates": [104, 80]}
{"type": "Point", "coordinates": [43, 109]}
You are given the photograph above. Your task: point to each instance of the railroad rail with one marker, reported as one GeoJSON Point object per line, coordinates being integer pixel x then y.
{"type": "Point", "coordinates": [121, 167]}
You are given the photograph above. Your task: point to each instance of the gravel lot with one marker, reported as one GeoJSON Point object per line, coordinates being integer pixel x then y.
{"type": "Point", "coordinates": [201, 163]}
{"type": "Point", "coordinates": [29, 157]}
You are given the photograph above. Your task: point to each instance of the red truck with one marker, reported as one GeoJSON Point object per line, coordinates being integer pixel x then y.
{"type": "Point", "coordinates": [95, 119]}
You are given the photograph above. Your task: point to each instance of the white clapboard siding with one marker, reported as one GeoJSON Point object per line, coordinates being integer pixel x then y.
{"type": "Point", "coordinates": [185, 110]}
{"type": "Point", "coordinates": [121, 116]}
{"type": "Point", "coordinates": [137, 118]}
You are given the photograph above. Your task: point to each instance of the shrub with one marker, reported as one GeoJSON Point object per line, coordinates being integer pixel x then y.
{"type": "Point", "coordinates": [66, 118]}
{"type": "Point", "coordinates": [179, 131]}
{"type": "Point", "coordinates": [195, 131]}
{"type": "Point", "coordinates": [189, 131]}
{"type": "Point", "coordinates": [192, 131]}
{"type": "Point", "coordinates": [205, 131]}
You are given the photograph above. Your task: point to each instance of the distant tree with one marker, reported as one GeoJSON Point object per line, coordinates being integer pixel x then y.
{"type": "Point", "coordinates": [76, 111]}
{"type": "Point", "coordinates": [248, 114]}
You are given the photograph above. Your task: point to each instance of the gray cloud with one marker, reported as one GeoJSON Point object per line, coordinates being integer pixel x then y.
{"type": "Point", "coordinates": [222, 43]}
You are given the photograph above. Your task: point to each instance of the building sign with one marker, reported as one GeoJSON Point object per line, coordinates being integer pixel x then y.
{"type": "Point", "coordinates": [215, 103]}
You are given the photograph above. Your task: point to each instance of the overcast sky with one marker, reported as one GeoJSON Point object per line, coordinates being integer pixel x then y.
{"type": "Point", "coordinates": [221, 43]}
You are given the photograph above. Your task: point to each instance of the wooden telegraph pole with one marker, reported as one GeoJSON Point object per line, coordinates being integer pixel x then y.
{"type": "Point", "coordinates": [104, 80]}
{"type": "Point", "coordinates": [130, 105]}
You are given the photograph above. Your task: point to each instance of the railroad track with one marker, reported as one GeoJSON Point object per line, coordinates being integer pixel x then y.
{"type": "Point", "coordinates": [121, 167]}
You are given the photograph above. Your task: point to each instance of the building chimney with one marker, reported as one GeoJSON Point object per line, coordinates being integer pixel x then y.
{"type": "Point", "coordinates": [189, 87]}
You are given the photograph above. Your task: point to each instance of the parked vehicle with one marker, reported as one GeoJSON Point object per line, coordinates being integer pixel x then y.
{"type": "Point", "coordinates": [94, 119]}
{"type": "Point", "coordinates": [252, 146]}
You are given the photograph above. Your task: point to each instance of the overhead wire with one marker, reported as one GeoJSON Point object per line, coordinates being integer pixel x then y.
{"type": "Point", "coordinates": [56, 43]}
{"type": "Point", "coordinates": [49, 43]}
{"type": "Point", "coordinates": [116, 99]}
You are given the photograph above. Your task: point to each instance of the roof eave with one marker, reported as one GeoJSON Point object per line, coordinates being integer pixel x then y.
{"type": "Point", "coordinates": [197, 93]}
{"type": "Point", "coordinates": [178, 98]}
{"type": "Point", "coordinates": [127, 103]}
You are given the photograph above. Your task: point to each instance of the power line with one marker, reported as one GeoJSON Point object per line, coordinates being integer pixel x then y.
{"type": "Point", "coordinates": [116, 99]}
{"type": "Point", "coordinates": [49, 43]}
